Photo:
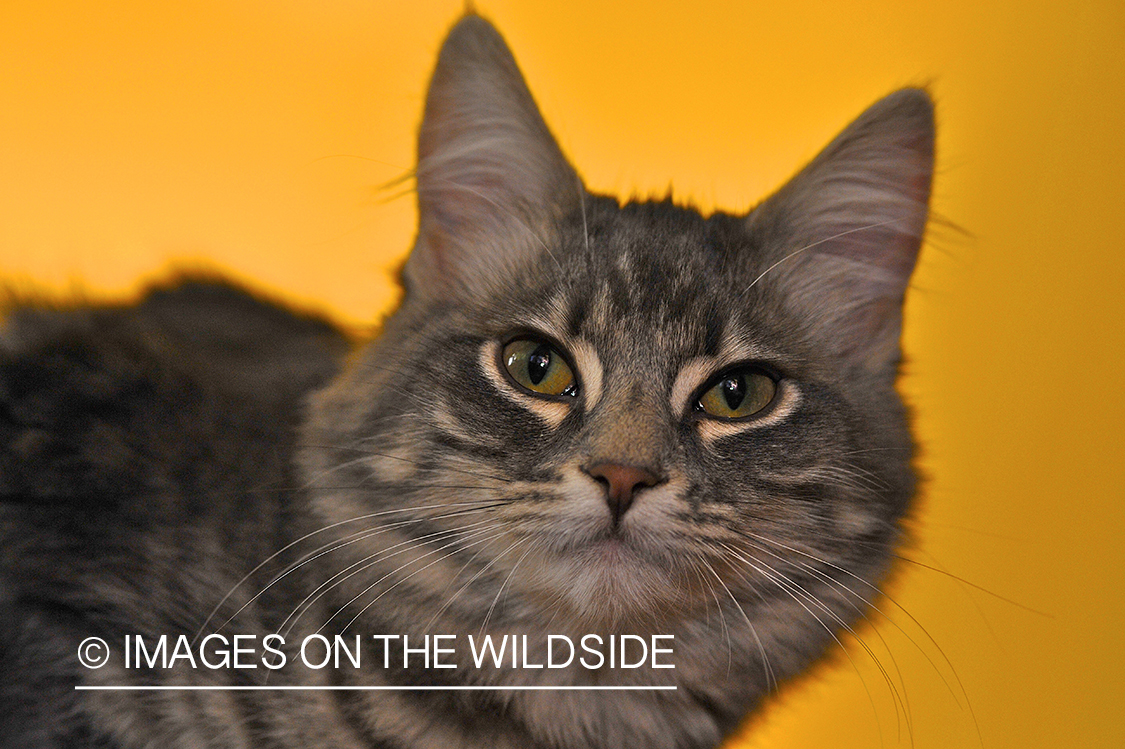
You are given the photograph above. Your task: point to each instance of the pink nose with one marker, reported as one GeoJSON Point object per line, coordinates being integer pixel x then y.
{"type": "Point", "coordinates": [621, 484]}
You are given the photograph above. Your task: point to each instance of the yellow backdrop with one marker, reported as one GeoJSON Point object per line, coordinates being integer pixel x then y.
{"type": "Point", "coordinates": [253, 136]}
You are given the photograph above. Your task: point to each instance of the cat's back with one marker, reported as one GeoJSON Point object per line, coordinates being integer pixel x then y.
{"type": "Point", "coordinates": [97, 403]}
{"type": "Point", "coordinates": [100, 398]}
{"type": "Point", "coordinates": [144, 462]}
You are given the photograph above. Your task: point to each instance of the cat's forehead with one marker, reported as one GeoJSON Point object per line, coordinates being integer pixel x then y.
{"type": "Point", "coordinates": [649, 280]}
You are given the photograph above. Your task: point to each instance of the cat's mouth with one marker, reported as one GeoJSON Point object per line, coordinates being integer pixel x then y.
{"type": "Point", "coordinates": [609, 578]}
{"type": "Point", "coordinates": [608, 543]}
{"type": "Point", "coordinates": [614, 548]}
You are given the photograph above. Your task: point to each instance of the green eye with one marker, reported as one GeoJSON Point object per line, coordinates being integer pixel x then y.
{"type": "Point", "coordinates": [537, 366]}
{"type": "Point", "coordinates": [737, 393]}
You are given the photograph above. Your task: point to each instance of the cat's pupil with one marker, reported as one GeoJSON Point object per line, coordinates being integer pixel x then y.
{"type": "Point", "coordinates": [538, 364]}
{"type": "Point", "coordinates": [734, 391]}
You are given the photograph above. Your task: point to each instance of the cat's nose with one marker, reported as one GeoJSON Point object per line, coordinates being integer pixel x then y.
{"type": "Point", "coordinates": [621, 484]}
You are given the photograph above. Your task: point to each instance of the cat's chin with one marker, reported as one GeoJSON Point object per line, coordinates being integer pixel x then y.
{"type": "Point", "coordinates": [610, 582]}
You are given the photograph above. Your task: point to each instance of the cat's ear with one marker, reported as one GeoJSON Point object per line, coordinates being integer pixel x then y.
{"type": "Point", "coordinates": [844, 233]}
{"type": "Point", "coordinates": [491, 178]}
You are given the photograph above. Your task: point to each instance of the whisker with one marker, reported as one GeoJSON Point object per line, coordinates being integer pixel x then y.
{"type": "Point", "coordinates": [491, 608]}
{"type": "Point", "coordinates": [913, 619]}
{"type": "Point", "coordinates": [290, 545]}
{"type": "Point", "coordinates": [794, 588]}
{"type": "Point", "coordinates": [582, 203]}
{"type": "Point", "coordinates": [356, 538]}
{"type": "Point", "coordinates": [412, 574]}
{"type": "Point", "coordinates": [771, 678]}
{"type": "Point", "coordinates": [405, 460]}
{"type": "Point", "coordinates": [963, 581]}
{"type": "Point", "coordinates": [825, 627]}
{"type": "Point", "coordinates": [361, 565]}
{"type": "Point", "coordinates": [722, 621]}
{"type": "Point", "coordinates": [464, 587]}
{"type": "Point", "coordinates": [856, 608]}
{"type": "Point", "coordinates": [815, 244]}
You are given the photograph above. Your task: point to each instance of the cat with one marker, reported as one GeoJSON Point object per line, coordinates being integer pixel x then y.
{"type": "Point", "coordinates": [585, 418]}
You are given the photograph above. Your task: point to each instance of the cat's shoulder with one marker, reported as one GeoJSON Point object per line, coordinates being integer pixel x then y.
{"type": "Point", "coordinates": [101, 400]}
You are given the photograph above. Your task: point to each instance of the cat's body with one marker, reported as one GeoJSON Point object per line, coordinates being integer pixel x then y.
{"type": "Point", "coordinates": [556, 433]}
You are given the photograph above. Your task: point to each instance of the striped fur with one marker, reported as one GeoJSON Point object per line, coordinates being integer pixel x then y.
{"type": "Point", "coordinates": [155, 459]}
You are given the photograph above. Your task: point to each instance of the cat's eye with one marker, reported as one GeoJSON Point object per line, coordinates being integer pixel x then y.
{"type": "Point", "coordinates": [538, 366]}
{"type": "Point", "coordinates": [737, 393]}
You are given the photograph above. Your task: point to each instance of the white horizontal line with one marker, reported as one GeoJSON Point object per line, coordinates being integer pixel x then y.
{"type": "Point", "coordinates": [473, 688]}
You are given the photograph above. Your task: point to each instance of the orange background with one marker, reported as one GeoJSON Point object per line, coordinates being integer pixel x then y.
{"type": "Point", "coordinates": [252, 137]}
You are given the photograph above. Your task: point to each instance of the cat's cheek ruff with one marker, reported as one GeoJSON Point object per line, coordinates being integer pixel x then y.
{"type": "Point", "coordinates": [551, 412]}
{"type": "Point", "coordinates": [396, 464]}
{"type": "Point", "coordinates": [786, 401]}
{"type": "Point", "coordinates": [444, 420]}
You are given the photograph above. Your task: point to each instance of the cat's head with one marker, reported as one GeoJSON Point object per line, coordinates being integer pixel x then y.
{"type": "Point", "coordinates": [610, 415]}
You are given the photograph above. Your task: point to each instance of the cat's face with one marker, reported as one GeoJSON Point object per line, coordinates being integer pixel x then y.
{"type": "Point", "coordinates": [627, 417]}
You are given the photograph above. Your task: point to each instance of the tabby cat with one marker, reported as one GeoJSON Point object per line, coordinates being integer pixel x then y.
{"type": "Point", "coordinates": [586, 418]}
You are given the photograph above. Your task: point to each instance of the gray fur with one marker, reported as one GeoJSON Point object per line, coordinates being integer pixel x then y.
{"type": "Point", "coordinates": [154, 458]}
